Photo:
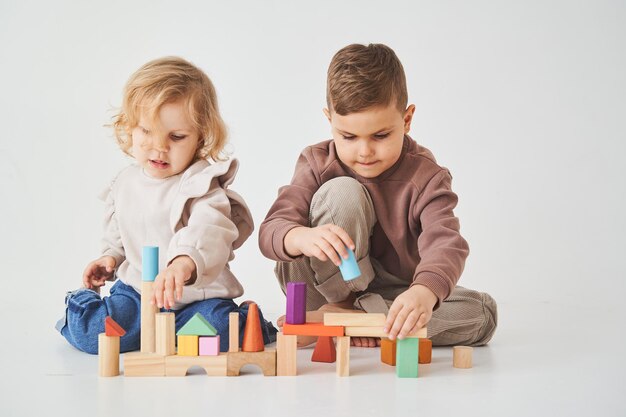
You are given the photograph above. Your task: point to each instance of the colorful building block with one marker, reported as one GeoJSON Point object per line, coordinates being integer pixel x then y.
{"type": "Point", "coordinates": [252, 335]}
{"type": "Point", "coordinates": [286, 357]}
{"type": "Point", "coordinates": [187, 345]}
{"type": "Point", "coordinates": [209, 345]}
{"type": "Point", "coordinates": [406, 357]}
{"type": "Point", "coordinates": [388, 351]}
{"type": "Point", "coordinates": [296, 303]}
{"type": "Point", "coordinates": [462, 357]}
{"type": "Point", "coordinates": [312, 329]}
{"type": "Point", "coordinates": [349, 268]}
{"type": "Point", "coordinates": [143, 364]}
{"type": "Point", "coordinates": [165, 334]}
{"type": "Point", "coordinates": [425, 351]}
{"type": "Point", "coordinates": [378, 331]}
{"type": "Point", "coordinates": [198, 326]}
{"type": "Point", "coordinates": [266, 360]}
{"type": "Point", "coordinates": [108, 355]}
{"type": "Point", "coordinates": [213, 365]}
{"type": "Point", "coordinates": [149, 263]}
{"type": "Point", "coordinates": [343, 356]}
{"type": "Point", "coordinates": [324, 350]}
{"type": "Point", "coordinates": [111, 328]}
{"type": "Point", "coordinates": [354, 319]}
{"type": "Point", "coordinates": [233, 332]}
{"type": "Point", "coordinates": [148, 319]}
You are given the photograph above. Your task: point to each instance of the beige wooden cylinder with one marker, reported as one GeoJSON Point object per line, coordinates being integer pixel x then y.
{"type": "Point", "coordinates": [462, 357]}
{"type": "Point", "coordinates": [165, 334]}
{"type": "Point", "coordinates": [233, 332]}
{"type": "Point", "coordinates": [108, 355]}
{"type": "Point", "coordinates": [148, 319]}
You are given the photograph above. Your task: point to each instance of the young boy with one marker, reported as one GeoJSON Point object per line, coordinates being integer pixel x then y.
{"type": "Point", "coordinates": [375, 190]}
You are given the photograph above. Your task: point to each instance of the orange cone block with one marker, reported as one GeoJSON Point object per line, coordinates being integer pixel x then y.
{"type": "Point", "coordinates": [252, 336]}
{"type": "Point", "coordinates": [324, 350]}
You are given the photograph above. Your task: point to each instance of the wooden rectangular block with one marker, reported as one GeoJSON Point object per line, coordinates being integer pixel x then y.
{"type": "Point", "coordinates": [388, 351]}
{"type": "Point", "coordinates": [266, 360]}
{"type": "Point", "coordinates": [296, 303]}
{"type": "Point", "coordinates": [354, 319]}
{"type": "Point", "coordinates": [343, 356]}
{"type": "Point", "coordinates": [286, 355]}
{"type": "Point", "coordinates": [406, 357]}
{"type": "Point", "coordinates": [377, 331]}
{"type": "Point", "coordinates": [165, 334]}
{"type": "Point", "coordinates": [312, 329]}
{"type": "Point", "coordinates": [233, 332]}
{"type": "Point", "coordinates": [143, 364]}
{"type": "Point", "coordinates": [187, 345]}
{"type": "Point", "coordinates": [425, 351]}
{"type": "Point", "coordinates": [148, 318]}
{"type": "Point", "coordinates": [209, 345]}
{"type": "Point", "coordinates": [213, 365]}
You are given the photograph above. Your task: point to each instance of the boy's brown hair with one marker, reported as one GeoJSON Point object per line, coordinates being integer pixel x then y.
{"type": "Point", "coordinates": [361, 77]}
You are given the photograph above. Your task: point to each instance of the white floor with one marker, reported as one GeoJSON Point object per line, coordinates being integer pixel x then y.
{"type": "Point", "coordinates": [545, 359]}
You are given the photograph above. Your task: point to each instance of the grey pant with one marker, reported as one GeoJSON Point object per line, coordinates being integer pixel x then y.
{"type": "Point", "coordinates": [466, 317]}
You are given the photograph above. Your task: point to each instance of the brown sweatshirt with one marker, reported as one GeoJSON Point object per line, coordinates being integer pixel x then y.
{"type": "Point", "coordinates": [417, 235]}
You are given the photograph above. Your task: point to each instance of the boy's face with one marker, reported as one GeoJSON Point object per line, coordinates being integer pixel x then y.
{"type": "Point", "coordinates": [370, 141]}
{"type": "Point", "coordinates": [167, 145]}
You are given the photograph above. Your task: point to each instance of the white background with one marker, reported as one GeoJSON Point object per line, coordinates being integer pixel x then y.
{"type": "Point", "coordinates": [524, 101]}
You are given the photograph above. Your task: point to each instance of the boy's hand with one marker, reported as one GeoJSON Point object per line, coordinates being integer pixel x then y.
{"type": "Point", "coordinates": [168, 285]}
{"type": "Point", "coordinates": [98, 271]}
{"type": "Point", "coordinates": [410, 311]}
{"type": "Point", "coordinates": [322, 242]}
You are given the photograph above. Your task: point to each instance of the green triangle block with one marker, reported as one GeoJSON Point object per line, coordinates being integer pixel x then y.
{"type": "Point", "coordinates": [197, 326]}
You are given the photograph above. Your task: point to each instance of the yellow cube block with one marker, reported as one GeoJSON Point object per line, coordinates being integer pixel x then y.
{"type": "Point", "coordinates": [187, 345]}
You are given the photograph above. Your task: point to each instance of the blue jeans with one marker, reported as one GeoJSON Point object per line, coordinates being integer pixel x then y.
{"type": "Point", "coordinates": [86, 310]}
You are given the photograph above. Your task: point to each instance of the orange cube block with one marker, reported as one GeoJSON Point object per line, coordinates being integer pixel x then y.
{"type": "Point", "coordinates": [388, 351]}
{"type": "Point", "coordinates": [425, 351]}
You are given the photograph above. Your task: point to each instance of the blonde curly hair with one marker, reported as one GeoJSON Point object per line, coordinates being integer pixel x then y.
{"type": "Point", "coordinates": [165, 80]}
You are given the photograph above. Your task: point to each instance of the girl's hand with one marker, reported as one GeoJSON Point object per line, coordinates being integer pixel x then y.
{"type": "Point", "coordinates": [98, 271]}
{"type": "Point", "coordinates": [168, 285]}
{"type": "Point", "coordinates": [322, 242]}
{"type": "Point", "coordinates": [410, 311]}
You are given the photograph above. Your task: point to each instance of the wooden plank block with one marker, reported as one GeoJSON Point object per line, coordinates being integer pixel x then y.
{"type": "Point", "coordinates": [187, 345]}
{"type": "Point", "coordinates": [197, 326]}
{"type": "Point", "coordinates": [108, 355]}
{"type": "Point", "coordinates": [266, 360]}
{"type": "Point", "coordinates": [343, 356]}
{"type": "Point", "coordinates": [388, 351]}
{"type": "Point", "coordinates": [312, 329]}
{"type": "Point", "coordinates": [286, 356]}
{"type": "Point", "coordinates": [165, 344]}
{"type": "Point", "coordinates": [406, 357]}
{"type": "Point", "coordinates": [213, 365]}
{"type": "Point", "coordinates": [143, 364]}
{"type": "Point", "coordinates": [296, 303]}
{"type": "Point", "coordinates": [148, 320]}
{"type": "Point", "coordinates": [462, 357]}
{"type": "Point", "coordinates": [111, 328]}
{"type": "Point", "coordinates": [377, 331]}
{"type": "Point", "coordinates": [324, 350]}
{"type": "Point", "coordinates": [425, 351]}
{"type": "Point", "coordinates": [209, 346]}
{"type": "Point", "coordinates": [233, 332]}
{"type": "Point", "coordinates": [354, 319]}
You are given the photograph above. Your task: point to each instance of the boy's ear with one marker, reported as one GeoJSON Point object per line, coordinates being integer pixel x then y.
{"type": "Point", "coordinates": [327, 113]}
{"type": "Point", "coordinates": [408, 117]}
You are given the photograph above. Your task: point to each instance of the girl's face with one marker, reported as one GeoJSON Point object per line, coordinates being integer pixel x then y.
{"type": "Point", "coordinates": [168, 145]}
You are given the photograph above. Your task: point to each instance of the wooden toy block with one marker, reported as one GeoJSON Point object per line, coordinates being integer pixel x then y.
{"type": "Point", "coordinates": [148, 320]}
{"type": "Point", "coordinates": [462, 357]}
{"type": "Point", "coordinates": [343, 356]}
{"type": "Point", "coordinates": [349, 268]}
{"type": "Point", "coordinates": [197, 326]}
{"type": "Point", "coordinates": [252, 336]}
{"type": "Point", "coordinates": [324, 350]}
{"type": "Point", "coordinates": [354, 319]}
{"type": "Point", "coordinates": [233, 332]}
{"type": "Point", "coordinates": [111, 328]}
{"type": "Point", "coordinates": [377, 331]}
{"type": "Point", "coordinates": [388, 351]}
{"type": "Point", "coordinates": [425, 351]}
{"type": "Point", "coordinates": [108, 355]}
{"type": "Point", "coordinates": [286, 357]}
{"type": "Point", "coordinates": [266, 360]}
{"type": "Point", "coordinates": [187, 345]}
{"type": "Point", "coordinates": [149, 263]}
{"type": "Point", "coordinates": [296, 303]}
{"type": "Point", "coordinates": [165, 334]}
{"type": "Point", "coordinates": [209, 345]}
{"type": "Point", "coordinates": [143, 364]}
{"type": "Point", "coordinates": [213, 365]}
{"type": "Point", "coordinates": [312, 329]}
{"type": "Point", "coordinates": [406, 357]}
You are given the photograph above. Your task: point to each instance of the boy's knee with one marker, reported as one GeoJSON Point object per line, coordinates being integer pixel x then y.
{"type": "Point", "coordinates": [487, 331]}
{"type": "Point", "coordinates": [344, 200]}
